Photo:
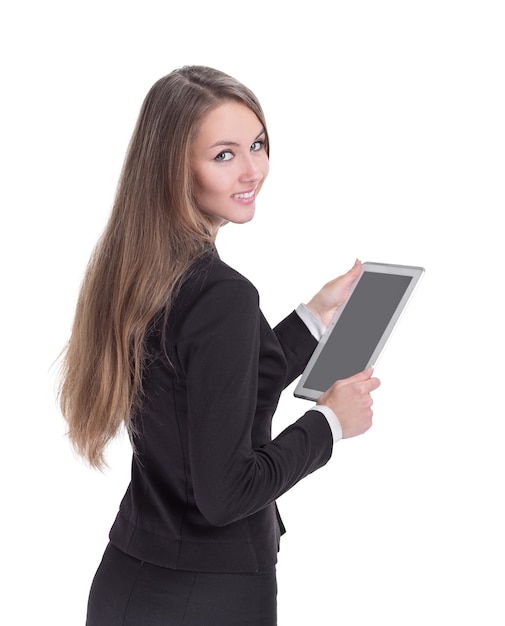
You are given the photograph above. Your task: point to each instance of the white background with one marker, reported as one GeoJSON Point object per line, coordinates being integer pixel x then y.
{"type": "Point", "coordinates": [388, 137]}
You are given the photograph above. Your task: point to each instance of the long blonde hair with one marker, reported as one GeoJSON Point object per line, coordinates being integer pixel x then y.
{"type": "Point", "coordinates": [154, 234]}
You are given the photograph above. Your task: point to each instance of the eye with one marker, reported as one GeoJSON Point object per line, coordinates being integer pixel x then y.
{"type": "Point", "coordinates": [257, 145]}
{"type": "Point", "coordinates": [226, 155]}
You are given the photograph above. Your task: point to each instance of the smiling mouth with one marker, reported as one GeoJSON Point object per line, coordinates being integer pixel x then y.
{"type": "Point", "coordinates": [244, 196]}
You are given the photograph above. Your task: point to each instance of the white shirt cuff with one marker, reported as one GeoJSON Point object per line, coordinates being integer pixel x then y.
{"type": "Point", "coordinates": [336, 428]}
{"type": "Point", "coordinates": [310, 320]}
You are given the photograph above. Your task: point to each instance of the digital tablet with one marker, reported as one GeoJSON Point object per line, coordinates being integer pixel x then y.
{"type": "Point", "coordinates": [361, 326]}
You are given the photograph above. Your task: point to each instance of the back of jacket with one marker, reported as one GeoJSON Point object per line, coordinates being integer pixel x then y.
{"type": "Point", "coordinates": [206, 472]}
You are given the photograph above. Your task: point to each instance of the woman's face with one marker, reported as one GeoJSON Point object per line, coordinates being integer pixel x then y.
{"type": "Point", "coordinates": [229, 164]}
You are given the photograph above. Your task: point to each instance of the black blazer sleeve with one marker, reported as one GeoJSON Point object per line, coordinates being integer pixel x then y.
{"type": "Point", "coordinates": [236, 468]}
{"type": "Point", "coordinates": [297, 343]}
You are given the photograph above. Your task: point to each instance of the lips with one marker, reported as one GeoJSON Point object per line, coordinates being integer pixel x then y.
{"type": "Point", "coordinates": [244, 195]}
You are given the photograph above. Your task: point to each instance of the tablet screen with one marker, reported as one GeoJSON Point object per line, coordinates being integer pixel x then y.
{"type": "Point", "coordinates": [359, 330]}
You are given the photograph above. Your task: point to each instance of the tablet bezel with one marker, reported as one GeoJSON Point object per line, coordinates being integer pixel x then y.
{"type": "Point", "coordinates": [415, 272]}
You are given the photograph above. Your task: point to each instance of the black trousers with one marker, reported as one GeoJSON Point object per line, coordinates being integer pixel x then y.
{"type": "Point", "coordinates": [129, 592]}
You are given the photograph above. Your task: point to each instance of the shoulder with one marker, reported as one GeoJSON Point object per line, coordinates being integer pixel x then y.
{"type": "Point", "coordinates": [209, 272]}
{"type": "Point", "coordinates": [212, 286]}
{"type": "Point", "coordinates": [211, 268]}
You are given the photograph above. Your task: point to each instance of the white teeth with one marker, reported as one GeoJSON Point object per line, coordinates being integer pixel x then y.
{"type": "Point", "coordinates": [250, 194]}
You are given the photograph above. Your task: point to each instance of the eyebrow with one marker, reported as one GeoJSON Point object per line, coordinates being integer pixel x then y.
{"type": "Point", "coordinates": [234, 143]}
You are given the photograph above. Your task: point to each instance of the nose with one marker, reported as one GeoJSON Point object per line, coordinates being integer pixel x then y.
{"type": "Point", "coordinates": [253, 170]}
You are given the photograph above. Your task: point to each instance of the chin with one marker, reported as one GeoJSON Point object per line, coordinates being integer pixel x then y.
{"type": "Point", "coordinates": [245, 218]}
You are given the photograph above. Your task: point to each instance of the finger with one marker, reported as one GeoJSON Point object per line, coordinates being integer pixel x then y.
{"type": "Point", "coordinates": [360, 376]}
{"type": "Point", "coordinates": [374, 383]}
{"type": "Point", "coordinates": [355, 269]}
{"type": "Point", "coordinates": [349, 277]}
{"type": "Point", "coordinates": [357, 265]}
{"type": "Point", "coordinates": [367, 386]}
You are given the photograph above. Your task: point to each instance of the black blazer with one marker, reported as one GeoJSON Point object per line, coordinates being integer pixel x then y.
{"type": "Point", "coordinates": [206, 472]}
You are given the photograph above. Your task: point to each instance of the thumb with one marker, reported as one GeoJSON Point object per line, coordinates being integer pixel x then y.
{"type": "Point", "coordinates": [355, 269]}
{"type": "Point", "coordinates": [360, 376]}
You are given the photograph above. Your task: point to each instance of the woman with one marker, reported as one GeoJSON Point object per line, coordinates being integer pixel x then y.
{"type": "Point", "coordinates": [169, 342]}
